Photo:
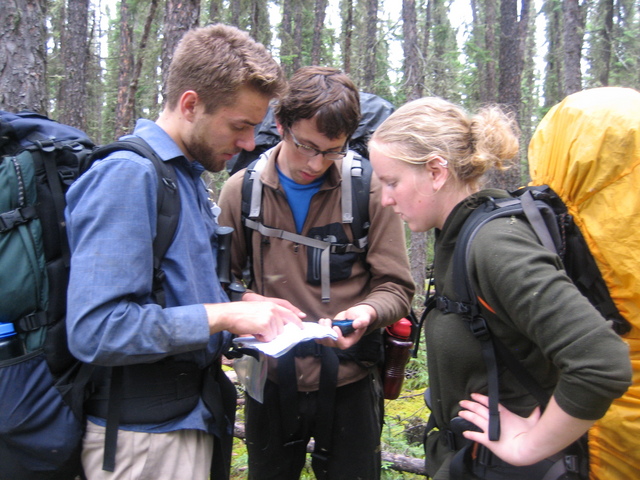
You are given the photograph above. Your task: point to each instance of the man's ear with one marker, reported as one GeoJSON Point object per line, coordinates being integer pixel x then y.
{"type": "Point", "coordinates": [280, 129]}
{"type": "Point", "coordinates": [188, 103]}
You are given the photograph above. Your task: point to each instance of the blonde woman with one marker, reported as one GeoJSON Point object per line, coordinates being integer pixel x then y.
{"type": "Point", "coordinates": [431, 157]}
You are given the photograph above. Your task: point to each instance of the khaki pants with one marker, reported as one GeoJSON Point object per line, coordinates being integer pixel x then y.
{"type": "Point", "coordinates": [179, 455]}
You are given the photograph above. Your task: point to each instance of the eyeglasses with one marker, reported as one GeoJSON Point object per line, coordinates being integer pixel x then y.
{"type": "Point", "coordinates": [310, 152]}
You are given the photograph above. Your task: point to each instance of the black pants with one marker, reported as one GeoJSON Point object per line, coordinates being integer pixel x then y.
{"type": "Point", "coordinates": [355, 445]}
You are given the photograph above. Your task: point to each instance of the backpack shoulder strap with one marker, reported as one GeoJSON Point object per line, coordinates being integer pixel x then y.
{"type": "Point", "coordinates": [168, 217]}
{"type": "Point", "coordinates": [168, 202]}
{"type": "Point", "coordinates": [251, 205]}
{"type": "Point", "coordinates": [252, 187]}
{"type": "Point", "coordinates": [466, 302]}
{"type": "Point", "coordinates": [539, 215]}
{"type": "Point", "coordinates": [355, 196]}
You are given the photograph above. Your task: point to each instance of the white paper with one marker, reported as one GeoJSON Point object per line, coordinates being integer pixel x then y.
{"type": "Point", "coordinates": [291, 336]}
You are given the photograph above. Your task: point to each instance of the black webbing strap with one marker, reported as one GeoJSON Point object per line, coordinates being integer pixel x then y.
{"type": "Point", "coordinates": [458, 469]}
{"type": "Point", "coordinates": [288, 396]}
{"type": "Point", "coordinates": [326, 404]}
{"type": "Point", "coordinates": [429, 304]}
{"type": "Point", "coordinates": [113, 419]}
{"type": "Point", "coordinates": [168, 203]}
{"type": "Point", "coordinates": [220, 397]}
{"type": "Point", "coordinates": [522, 374]}
{"type": "Point", "coordinates": [537, 222]}
{"type": "Point", "coordinates": [480, 330]}
{"type": "Point", "coordinates": [59, 203]}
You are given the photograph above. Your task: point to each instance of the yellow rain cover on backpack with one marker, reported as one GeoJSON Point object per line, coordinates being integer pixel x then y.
{"type": "Point", "coordinates": [587, 148]}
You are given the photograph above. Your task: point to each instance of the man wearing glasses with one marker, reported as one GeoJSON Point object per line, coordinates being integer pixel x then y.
{"type": "Point", "coordinates": [329, 391]}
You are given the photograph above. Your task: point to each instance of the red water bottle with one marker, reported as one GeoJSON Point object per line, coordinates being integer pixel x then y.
{"type": "Point", "coordinates": [397, 348]}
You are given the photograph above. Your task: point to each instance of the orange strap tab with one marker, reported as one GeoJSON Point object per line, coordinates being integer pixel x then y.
{"type": "Point", "coordinates": [486, 305]}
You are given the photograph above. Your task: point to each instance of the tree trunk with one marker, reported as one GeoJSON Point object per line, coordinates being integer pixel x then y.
{"type": "Point", "coordinates": [75, 53]}
{"type": "Point", "coordinates": [413, 86]}
{"type": "Point", "coordinates": [215, 7]}
{"type": "Point", "coordinates": [426, 37]}
{"type": "Point", "coordinates": [371, 41]}
{"type": "Point", "coordinates": [607, 44]}
{"type": "Point", "coordinates": [529, 99]}
{"type": "Point", "coordinates": [297, 35]}
{"type": "Point", "coordinates": [126, 68]}
{"type": "Point", "coordinates": [489, 72]}
{"type": "Point", "coordinates": [128, 114]}
{"type": "Point", "coordinates": [512, 45]}
{"type": "Point", "coordinates": [316, 48]}
{"type": "Point", "coordinates": [553, 76]}
{"type": "Point", "coordinates": [347, 31]}
{"type": "Point", "coordinates": [572, 35]}
{"type": "Point", "coordinates": [510, 56]}
{"type": "Point", "coordinates": [440, 60]}
{"type": "Point", "coordinates": [260, 27]}
{"type": "Point", "coordinates": [413, 71]}
{"type": "Point", "coordinates": [286, 38]}
{"type": "Point", "coordinates": [235, 8]}
{"type": "Point", "coordinates": [23, 65]}
{"type": "Point", "coordinates": [179, 16]}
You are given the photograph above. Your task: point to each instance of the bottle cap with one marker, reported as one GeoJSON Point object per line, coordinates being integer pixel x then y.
{"type": "Point", "coordinates": [402, 328]}
{"type": "Point", "coordinates": [7, 329]}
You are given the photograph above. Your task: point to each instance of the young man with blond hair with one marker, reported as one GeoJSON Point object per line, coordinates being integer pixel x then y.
{"type": "Point", "coordinates": [169, 408]}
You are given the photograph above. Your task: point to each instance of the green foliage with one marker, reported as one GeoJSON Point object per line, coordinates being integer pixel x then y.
{"type": "Point", "coordinates": [404, 421]}
{"type": "Point", "coordinates": [613, 53]}
{"type": "Point", "coordinates": [214, 182]}
{"type": "Point", "coordinates": [416, 374]}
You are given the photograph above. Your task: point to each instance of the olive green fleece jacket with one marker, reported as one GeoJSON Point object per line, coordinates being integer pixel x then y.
{"type": "Point", "coordinates": [383, 280]}
{"type": "Point", "coordinates": [539, 315]}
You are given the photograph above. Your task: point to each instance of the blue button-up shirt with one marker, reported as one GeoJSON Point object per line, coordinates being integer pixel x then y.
{"type": "Point", "coordinates": [111, 222]}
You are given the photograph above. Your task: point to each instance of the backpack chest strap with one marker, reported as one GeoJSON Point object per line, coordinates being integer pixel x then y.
{"type": "Point", "coordinates": [326, 247]}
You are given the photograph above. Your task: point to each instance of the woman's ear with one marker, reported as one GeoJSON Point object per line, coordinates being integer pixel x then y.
{"type": "Point", "coordinates": [438, 169]}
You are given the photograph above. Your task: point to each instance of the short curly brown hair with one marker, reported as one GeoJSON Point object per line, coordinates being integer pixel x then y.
{"type": "Point", "coordinates": [216, 61]}
{"type": "Point", "coordinates": [323, 93]}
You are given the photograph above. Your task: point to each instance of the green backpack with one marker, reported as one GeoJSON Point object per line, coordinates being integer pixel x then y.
{"type": "Point", "coordinates": [42, 391]}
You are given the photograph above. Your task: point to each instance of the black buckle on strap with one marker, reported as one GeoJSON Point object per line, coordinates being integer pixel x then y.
{"type": "Point", "coordinates": [450, 440]}
{"type": "Point", "coordinates": [572, 463]}
{"type": "Point", "coordinates": [19, 216]}
{"type": "Point", "coordinates": [446, 305]}
{"type": "Point", "coordinates": [339, 248]}
{"type": "Point", "coordinates": [478, 327]}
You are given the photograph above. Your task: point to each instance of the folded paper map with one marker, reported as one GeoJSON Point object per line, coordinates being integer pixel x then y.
{"type": "Point", "coordinates": [291, 336]}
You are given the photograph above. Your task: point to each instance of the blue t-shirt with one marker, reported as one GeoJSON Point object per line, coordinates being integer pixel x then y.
{"type": "Point", "coordinates": [299, 197]}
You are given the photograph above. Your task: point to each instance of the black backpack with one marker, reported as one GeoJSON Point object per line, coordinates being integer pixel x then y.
{"type": "Point", "coordinates": [548, 216]}
{"type": "Point", "coordinates": [42, 419]}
